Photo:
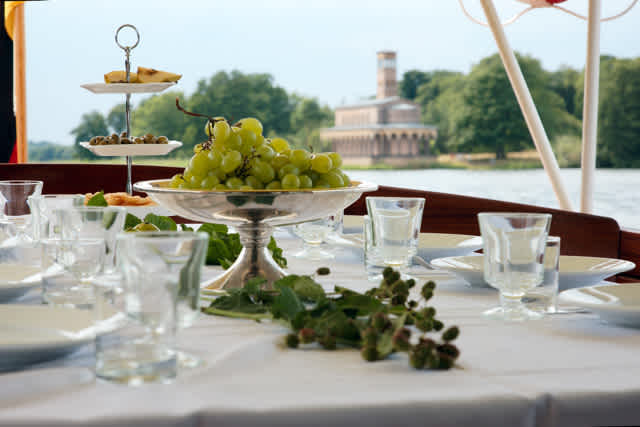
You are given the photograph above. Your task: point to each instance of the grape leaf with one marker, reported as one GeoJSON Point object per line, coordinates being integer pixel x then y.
{"type": "Point", "coordinates": [286, 305]}
{"type": "Point", "coordinates": [164, 223]}
{"type": "Point", "coordinates": [362, 305]}
{"type": "Point", "coordinates": [98, 200]}
{"type": "Point", "coordinates": [276, 253]}
{"type": "Point", "coordinates": [131, 221]}
{"type": "Point", "coordinates": [304, 286]}
{"type": "Point", "coordinates": [185, 227]}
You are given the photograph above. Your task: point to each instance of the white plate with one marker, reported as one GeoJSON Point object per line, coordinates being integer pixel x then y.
{"type": "Point", "coordinates": [17, 279]}
{"type": "Point", "coordinates": [120, 150]}
{"type": "Point", "coordinates": [127, 87]}
{"type": "Point", "coordinates": [470, 268]}
{"type": "Point", "coordinates": [142, 211]}
{"type": "Point", "coordinates": [574, 271]}
{"type": "Point", "coordinates": [430, 245]}
{"type": "Point", "coordinates": [36, 333]}
{"type": "Point", "coordinates": [618, 304]}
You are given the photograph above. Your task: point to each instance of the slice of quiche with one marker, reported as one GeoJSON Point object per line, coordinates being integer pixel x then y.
{"type": "Point", "coordinates": [150, 75]}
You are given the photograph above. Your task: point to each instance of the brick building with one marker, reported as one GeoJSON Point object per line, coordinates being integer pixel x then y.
{"type": "Point", "coordinates": [386, 127]}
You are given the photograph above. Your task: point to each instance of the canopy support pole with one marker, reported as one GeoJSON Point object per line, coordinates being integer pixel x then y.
{"type": "Point", "coordinates": [20, 83]}
{"type": "Point", "coordinates": [527, 106]}
{"type": "Point", "coordinates": [590, 108]}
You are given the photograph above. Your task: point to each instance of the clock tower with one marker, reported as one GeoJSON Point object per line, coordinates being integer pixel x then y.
{"type": "Point", "coordinates": [387, 83]}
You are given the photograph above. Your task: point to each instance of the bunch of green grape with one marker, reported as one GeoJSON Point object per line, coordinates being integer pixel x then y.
{"type": "Point", "coordinates": [239, 157]}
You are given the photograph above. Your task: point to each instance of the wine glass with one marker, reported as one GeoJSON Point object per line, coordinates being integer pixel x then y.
{"type": "Point", "coordinates": [315, 233]}
{"type": "Point", "coordinates": [514, 246]}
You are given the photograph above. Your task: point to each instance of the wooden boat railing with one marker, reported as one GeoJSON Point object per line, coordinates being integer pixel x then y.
{"type": "Point", "coordinates": [581, 234]}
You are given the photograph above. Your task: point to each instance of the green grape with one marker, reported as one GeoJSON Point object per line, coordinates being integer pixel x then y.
{"type": "Point", "coordinates": [336, 159]}
{"type": "Point", "coordinates": [245, 188]}
{"type": "Point", "coordinates": [334, 179]}
{"type": "Point", "coordinates": [259, 140]}
{"type": "Point", "coordinates": [345, 179]}
{"type": "Point", "coordinates": [265, 152]}
{"type": "Point", "coordinates": [254, 182]}
{"type": "Point", "coordinates": [279, 161]}
{"type": "Point", "coordinates": [288, 169]}
{"type": "Point", "coordinates": [209, 181]}
{"type": "Point", "coordinates": [208, 129]}
{"type": "Point", "coordinates": [183, 186]}
{"type": "Point", "coordinates": [315, 176]}
{"type": "Point", "coordinates": [290, 182]}
{"type": "Point", "coordinates": [231, 161]}
{"type": "Point", "coordinates": [248, 137]}
{"type": "Point", "coordinates": [305, 181]}
{"type": "Point", "coordinates": [274, 185]}
{"type": "Point", "coordinates": [220, 174]}
{"type": "Point", "coordinates": [221, 130]}
{"type": "Point", "coordinates": [300, 158]}
{"type": "Point", "coordinates": [263, 171]}
{"type": "Point", "coordinates": [247, 147]}
{"type": "Point", "coordinates": [195, 182]}
{"type": "Point", "coordinates": [321, 163]}
{"type": "Point", "coordinates": [234, 183]}
{"type": "Point", "coordinates": [187, 174]}
{"type": "Point", "coordinates": [220, 187]}
{"type": "Point", "coordinates": [199, 163]}
{"type": "Point", "coordinates": [233, 142]}
{"type": "Point", "coordinates": [176, 180]}
{"type": "Point", "coordinates": [214, 158]}
{"type": "Point", "coordinates": [321, 184]}
{"type": "Point", "coordinates": [252, 124]}
{"type": "Point", "coordinates": [279, 145]}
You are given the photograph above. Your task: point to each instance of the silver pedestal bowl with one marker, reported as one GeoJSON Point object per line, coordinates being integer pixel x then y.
{"type": "Point", "coordinates": [253, 214]}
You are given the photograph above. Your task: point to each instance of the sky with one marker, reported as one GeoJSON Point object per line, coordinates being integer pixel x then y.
{"type": "Point", "coordinates": [323, 49]}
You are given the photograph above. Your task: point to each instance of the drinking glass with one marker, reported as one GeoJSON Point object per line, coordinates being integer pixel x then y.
{"type": "Point", "coordinates": [544, 297]}
{"type": "Point", "coordinates": [44, 221]}
{"type": "Point", "coordinates": [514, 246]}
{"type": "Point", "coordinates": [14, 208]}
{"type": "Point", "coordinates": [93, 222]}
{"type": "Point", "coordinates": [391, 233]}
{"type": "Point", "coordinates": [158, 271]}
{"type": "Point", "coordinates": [69, 268]}
{"type": "Point", "coordinates": [315, 233]}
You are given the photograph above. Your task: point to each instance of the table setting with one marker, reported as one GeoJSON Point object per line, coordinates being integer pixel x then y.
{"type": "Point", "coordinates": [353, 321]}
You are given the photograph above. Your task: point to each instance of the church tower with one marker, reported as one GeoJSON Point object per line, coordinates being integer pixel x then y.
{"type": "Point", "coordinates": [387, 82]}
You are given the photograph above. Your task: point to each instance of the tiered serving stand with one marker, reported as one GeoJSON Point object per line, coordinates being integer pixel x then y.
{"type": "Point", "coordinates": [129, 150]}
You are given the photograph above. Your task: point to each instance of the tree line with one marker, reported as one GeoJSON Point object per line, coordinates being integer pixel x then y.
{"type": "Point", "coordinates": [478, 111]}
{"type": "Point", "coordinates": [474, 112]}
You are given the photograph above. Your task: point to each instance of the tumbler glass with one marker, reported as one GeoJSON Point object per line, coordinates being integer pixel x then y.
{"type": "Point", "coordinates": [14, 209]}
{"type": "Point", "coordinates": [157, 268]}
{"type": "Point", "coordinates": [316, 233]}
{"type": "Point", "coordinates": [544, 297]}
{"type": "Point", "coordinates": [44, 221]}
{"type": "Point", "coordinates": [514, 246]}
{"type": "Point", "coordinates": [391, 232]}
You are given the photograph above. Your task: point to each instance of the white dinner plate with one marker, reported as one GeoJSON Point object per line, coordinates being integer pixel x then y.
{"type": "Point", "coordinates": [121, 150]}
{"type": "Point", "coordinates": [37, 333]}
{"type": "Point", "coordinates": [618, 304]}
{"type": "Point", "coordinates": [142, 211]}
{"type": "Point", "coordinates": [430, 245]}
{"type": "Point", "coordinates": [127, 87]}
{"type": "Point", "coordinates": [574, 271]}
{"type": "Point", "coordinates": [17, 279]}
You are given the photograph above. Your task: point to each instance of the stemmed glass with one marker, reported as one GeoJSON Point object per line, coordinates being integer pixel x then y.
{"type": "Point", "coordinates": [314, 234]}
{"type": "Point", "coordinates": [514, 246]}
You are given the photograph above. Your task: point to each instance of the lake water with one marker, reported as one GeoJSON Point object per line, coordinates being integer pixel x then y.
{"type": "Point", "coordinates": [617, 191]}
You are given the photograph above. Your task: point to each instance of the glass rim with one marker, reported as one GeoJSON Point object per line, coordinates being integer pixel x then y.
{"type": "Point", "coordinates": [20, 182]}
{"type": "Point", "coordinates": [85, 208]}
{"type": "Point", "coordinates": [56, 240]}
{"type": "Point", "coordinates": [44, 196]}
{"type": "Point", "coordinates": [131, 235]}
{"type": "Point", "coordinates": [394, 198]}
{"type": "Point", "coordinates": [515, 214]}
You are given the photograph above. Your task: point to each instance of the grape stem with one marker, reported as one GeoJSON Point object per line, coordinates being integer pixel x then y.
{"type": "Point", "coordinates": [212, 120]}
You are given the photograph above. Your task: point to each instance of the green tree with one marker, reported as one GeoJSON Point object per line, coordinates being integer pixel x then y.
{"type": "Point", "coordinates": [411, 81]}
{"type": "Point", "coordinates": [116, 119]}
{"type": "Point", "coordinates": [565, 83]}
{"type": "Point", "coordinates": [619, 114]}
{"type": "Point", "coordinates": [491, 119]}
{"type": "Point", "coordinates": [158, 115]}
{"type": "Point", "coordinates": [91, 124]}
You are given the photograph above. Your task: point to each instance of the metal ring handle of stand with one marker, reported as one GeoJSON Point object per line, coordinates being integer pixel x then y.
{"type": "Point", "coordinates": [127, 65]}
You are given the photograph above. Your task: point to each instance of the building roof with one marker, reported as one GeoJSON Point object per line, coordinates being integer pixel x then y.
{"type": "Point", "coordinates": [382, 127]}
{"type": "Point", "coordinates": [370, 103]}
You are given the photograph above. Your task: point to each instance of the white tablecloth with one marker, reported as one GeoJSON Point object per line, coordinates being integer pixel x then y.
{"type": "Point", "coordinates": [564, 370]}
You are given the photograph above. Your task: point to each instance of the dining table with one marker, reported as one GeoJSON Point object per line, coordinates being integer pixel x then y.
{"type": "Point", "coordinates": [567, 369]}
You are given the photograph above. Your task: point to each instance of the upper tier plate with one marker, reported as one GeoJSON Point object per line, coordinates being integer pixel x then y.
{"type": "Point", "coordinates": [127, 87]}
{"type": "Point", "coordinates": [119, 150]}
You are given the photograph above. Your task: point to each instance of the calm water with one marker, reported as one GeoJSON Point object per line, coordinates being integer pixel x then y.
{"type": "Point", "coordinates": [617, 192]}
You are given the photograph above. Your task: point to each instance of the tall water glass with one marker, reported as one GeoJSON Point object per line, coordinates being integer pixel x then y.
{"type": "Point", "coordinates": [514, 246]}
{"type": "Point", "coordinates": [44, 222]}
{"type": "Point", "coordinates": [392, 237]}
{"type": "Point", "coordinates": [544, 297]}
{"type": "Point", "coordinates": [156, 268]}
{"type": "Point", "coordinates": [14, 209]}
{"type": "Point", "coordinates": [93, 222]}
